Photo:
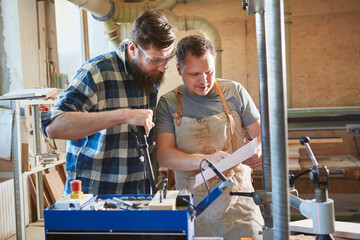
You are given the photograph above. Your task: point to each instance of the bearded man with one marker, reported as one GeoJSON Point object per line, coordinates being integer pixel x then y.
{"type": "Point", "coordinates": [110, 93]}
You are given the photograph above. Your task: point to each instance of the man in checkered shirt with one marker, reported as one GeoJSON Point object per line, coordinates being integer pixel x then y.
{"type": "Point", "coordinates": [110, 94]}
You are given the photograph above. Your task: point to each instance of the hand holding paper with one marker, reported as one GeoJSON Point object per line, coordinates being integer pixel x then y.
{"type": "Point", "coordinates": [234, 159]}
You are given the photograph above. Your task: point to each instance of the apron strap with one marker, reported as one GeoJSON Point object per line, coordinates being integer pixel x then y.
{"type": "Point", "coordinates": [228, 114]}
{"type": "Point", "coordinates": [178, 113]}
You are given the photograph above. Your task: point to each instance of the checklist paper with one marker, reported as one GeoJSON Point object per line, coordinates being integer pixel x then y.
{"type": "Point", "coordinates": [234, 159]}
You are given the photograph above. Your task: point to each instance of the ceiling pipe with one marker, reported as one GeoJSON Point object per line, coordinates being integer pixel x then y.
{"type": "Point", "coordinates": [211, 33]}
{"type": "Point", "coordinates": [102, 10]}
{"type": "Point", "coordinates": [202, 25]}
{"type": "Point", "coordinates": [128, 12]}
{"type": "Point", "coordinates": [99, 8]}
{"type": "Point", "coordinates": [191, 23]}
{"type": "Point", "coordinates": [112, 12]}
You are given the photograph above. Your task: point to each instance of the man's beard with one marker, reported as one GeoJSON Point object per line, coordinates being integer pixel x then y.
{"type": "Point", "coordinates": [145, 81]}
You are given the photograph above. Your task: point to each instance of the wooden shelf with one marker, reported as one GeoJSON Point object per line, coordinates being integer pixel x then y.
{"type": "Point", "coordinates": [41, 168]}
{"type": "Point", "coordinates": [17, 158]}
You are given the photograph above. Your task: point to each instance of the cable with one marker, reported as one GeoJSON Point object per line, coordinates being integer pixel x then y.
{"type": "Point", "coordinates": [207, 188]}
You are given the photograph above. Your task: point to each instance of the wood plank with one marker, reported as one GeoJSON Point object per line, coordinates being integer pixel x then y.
{"type": "Point", "coordinates": [30, 93]}
{"type": "Point", "coordinates": [294, 166]}
{"type": "Point", "coordinates": [168, 203]}
{"type": "Point", "coordinates": [317, 140]}
{"type": "Point", "coordinates": [348, 163]}
{"type": "Point", "coordinates": [25, 157]}
{"type": "Point", "coordinates": [33, 192]}
{"type": "Point", "coordinates": [6, 165]}
{"type": "Point", "coordinates": [61, 169]}
{"type": "Point", "coordinates": [54, 185]}
{"type": "Point", "coordinates": [342, 229]}
{"type": "Point", "coordinates": [32, 188]}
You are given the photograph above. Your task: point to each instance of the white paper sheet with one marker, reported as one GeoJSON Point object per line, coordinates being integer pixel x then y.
{"type": "Point", "coordinates": [234, 159]}
{"type": "Point", "coordinates": [6, 120]}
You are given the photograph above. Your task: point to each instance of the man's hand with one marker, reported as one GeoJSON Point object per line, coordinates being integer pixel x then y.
{"type": "Point", "coordinates": [139, 117]}
{"type": "Point", "coordinates": [255, 161]}
{"type": "Point", "coordinates": [215, 158]}
{"type": "Point", "coordinates": [218, 156]}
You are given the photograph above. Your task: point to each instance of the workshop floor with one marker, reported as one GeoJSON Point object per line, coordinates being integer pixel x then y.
{"type": "Point", "coordinates": [35, 231]}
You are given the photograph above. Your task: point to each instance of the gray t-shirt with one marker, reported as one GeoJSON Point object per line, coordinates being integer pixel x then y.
{"type": "Point", "coordinates": [199, 107]}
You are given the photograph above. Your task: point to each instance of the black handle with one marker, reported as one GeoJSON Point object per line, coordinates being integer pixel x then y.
{"type": "Point", "coordinates": [140, 133]}
{"type": "Point", "coordinates": [243, 194]}
{"type": "Point", "coordinates": [304, 140]}
{"type": "Point", "coordinates": [144, 152]}
{"type": "Point", "coordinates": [216, 171]}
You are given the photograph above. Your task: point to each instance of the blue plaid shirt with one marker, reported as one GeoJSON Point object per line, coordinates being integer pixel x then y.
{"type": "Point", "coordinates": [106, 162]}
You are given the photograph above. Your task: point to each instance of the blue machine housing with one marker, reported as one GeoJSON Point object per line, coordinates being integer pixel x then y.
{"type": "Point", "coordinates": [118, 224]}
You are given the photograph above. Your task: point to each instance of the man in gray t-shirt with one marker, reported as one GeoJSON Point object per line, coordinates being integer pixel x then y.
{"type": "Point", "coordinates": [205, 118]}
{"type": "Point", "coordinates": [199, 107]}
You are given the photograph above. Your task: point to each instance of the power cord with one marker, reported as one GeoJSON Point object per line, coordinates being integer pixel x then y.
{"type": "Point", "coordinates": [207, 188]}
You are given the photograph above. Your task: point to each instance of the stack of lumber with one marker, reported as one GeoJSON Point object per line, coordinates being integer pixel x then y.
{"type": "Point", "coordinates": [294, 147]}
{"type": "Point", "coordinates": [293, 157]}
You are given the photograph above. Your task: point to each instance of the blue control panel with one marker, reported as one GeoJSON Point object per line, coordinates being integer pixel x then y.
{"type": "Point", "coordinates": [102, 218]}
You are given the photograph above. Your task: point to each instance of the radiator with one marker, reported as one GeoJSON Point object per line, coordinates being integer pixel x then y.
{"type": "Point", "coordinates": [7, 208]}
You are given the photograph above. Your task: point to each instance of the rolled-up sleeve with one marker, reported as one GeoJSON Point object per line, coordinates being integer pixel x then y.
{"type": "Point", "coordinates": [78, 97]}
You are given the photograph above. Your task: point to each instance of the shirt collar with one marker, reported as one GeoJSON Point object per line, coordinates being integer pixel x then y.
{"type": "Point", "coordinates": [121, 52]}
{"type": "Point", "coordinates": [212, 95]}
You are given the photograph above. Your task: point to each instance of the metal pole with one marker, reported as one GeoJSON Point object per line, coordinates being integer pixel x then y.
{"type": "Point", "coordinates": [18, 177]}
{"type": "Point", "coordinates": [37, 150]}
{"type": "Point", "coordinates": [278, 120]}
{"type": "Point", "coordinates": [288, 23]}
{"type": "Point", "coordinates": [264, 110]}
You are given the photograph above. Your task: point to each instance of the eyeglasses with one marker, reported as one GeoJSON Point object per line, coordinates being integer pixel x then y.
{"type": "Point", "coordinates": [156, 61]}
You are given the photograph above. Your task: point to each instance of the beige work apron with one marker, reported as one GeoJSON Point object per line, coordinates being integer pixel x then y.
{"type": "Point", "coordinates": [230, 217]}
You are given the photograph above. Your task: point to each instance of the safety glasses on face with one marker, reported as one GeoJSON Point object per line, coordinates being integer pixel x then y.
{"type": "Point", "coordinates": [156, 61]}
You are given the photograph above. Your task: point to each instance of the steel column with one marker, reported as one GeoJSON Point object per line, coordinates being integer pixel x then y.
{"type": "Point", "coordinates": [278, 119]}
{"type": "Point", "coordinates": [264, 110]}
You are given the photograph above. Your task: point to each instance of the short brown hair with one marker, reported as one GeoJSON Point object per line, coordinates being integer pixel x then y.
{"type": "Point", "coordinates": [151, 29]}
{"type": "Point", "coordinates": [196, 45]}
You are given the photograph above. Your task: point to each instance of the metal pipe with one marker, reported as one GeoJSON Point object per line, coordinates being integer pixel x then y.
{"type": "Point", "coordinates": [264, 110]}
{"type": "Point", "coordinates": [111, 12]}
{"type": "Point", "coordinates": [190, 23]}
{"type": "Point", "coordinates": [278, 121]}
{"type": "Point", "coordinates": [295, 201]}
{"type": "Point", "coordinates": [18, 176]}
{"type": "Point", "coordinates": [288, 23]}
{"type": "Point", "coordinates": [100, 8]}
{"type": "Point", "coordinates": [211, 33]}
{"type": "Point", "coordinates": [202, 25]}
